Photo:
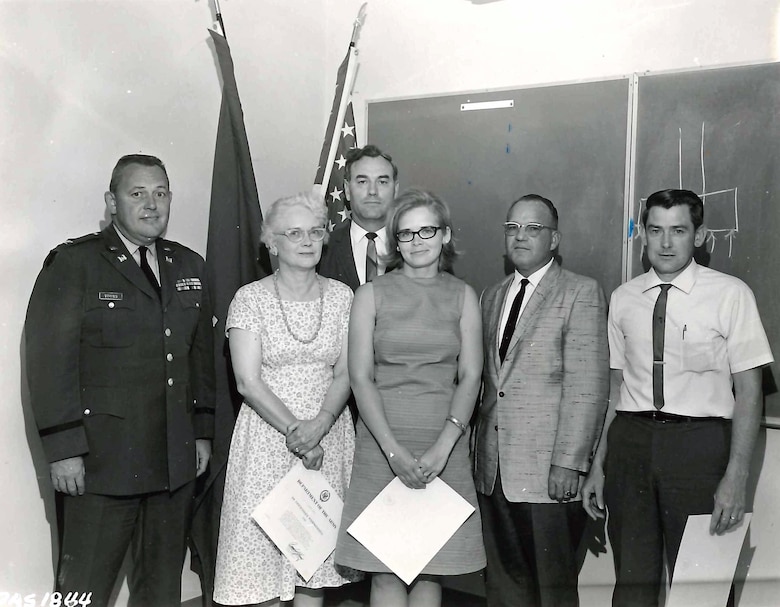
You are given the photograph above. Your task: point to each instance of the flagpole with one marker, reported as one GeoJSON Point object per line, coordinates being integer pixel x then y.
{"type": "Point", "coordinates": [349, 82]}
{"type": "Point", "coordinates": [219, 19]}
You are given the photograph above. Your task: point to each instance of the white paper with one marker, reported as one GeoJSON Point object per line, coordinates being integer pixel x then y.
{"type": "Point", "coordinates": [706, 564]}
{"type": "Point", "coordinates": [301, 515]}
{"type": "Point", "coordinates": [405, 528]}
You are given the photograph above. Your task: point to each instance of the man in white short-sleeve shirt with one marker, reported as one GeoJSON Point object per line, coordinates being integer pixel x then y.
{"type": "Point", "coordinates": [677, 441]}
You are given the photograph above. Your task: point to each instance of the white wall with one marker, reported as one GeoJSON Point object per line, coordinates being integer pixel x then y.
{"type": "Point", "coordinates": [84, 82]}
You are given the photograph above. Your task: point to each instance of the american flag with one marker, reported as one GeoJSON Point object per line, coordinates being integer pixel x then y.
{"type": "Point", "coordinates": [340, 136]}
{"type": "Point", "coordinates": [334, 193]}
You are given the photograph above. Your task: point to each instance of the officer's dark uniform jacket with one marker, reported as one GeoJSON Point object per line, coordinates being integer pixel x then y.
{"type": "Point", "coordinates": [117, 374]}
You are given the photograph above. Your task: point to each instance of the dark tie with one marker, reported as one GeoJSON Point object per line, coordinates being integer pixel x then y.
{"type": "Point", "coordinates": [514, 312]}
{"type": "Point", "coordinates": [371, 257]}
{"type": "Point", "coordinates": [147, 270]}
{"type": "Point", "coordinates": [659, 321]}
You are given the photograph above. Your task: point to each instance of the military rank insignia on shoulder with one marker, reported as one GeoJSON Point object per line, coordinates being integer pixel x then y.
{"type": "Point", "coordinates": [69, 242]}
{"type": "Point", "coordinates": [80, 239]}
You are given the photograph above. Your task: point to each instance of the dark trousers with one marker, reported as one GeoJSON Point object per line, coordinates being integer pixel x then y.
{"type": "Point", "coordinates": [531, 551]}
{"type": "Point", "coordinates": [657, 474]}
{"type": "Point", "coordinates": [97, 531]}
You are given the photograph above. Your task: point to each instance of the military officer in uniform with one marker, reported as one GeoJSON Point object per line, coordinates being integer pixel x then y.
{"type": "Point", "coordinates": [120, 369]}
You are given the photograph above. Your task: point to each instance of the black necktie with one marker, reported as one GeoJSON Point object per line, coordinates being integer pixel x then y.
{"type": "Point", "coordinates": [659, 322]}
{"type": "Point", "coordinates": [371, 257]}
{"type": "Point", "coordinates": [514, 312]}
{"type": "Point", "coordinates": [147, 270]}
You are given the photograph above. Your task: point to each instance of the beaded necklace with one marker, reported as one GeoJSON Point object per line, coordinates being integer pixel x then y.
{"type": "Point", "coordinates": [284, 314]}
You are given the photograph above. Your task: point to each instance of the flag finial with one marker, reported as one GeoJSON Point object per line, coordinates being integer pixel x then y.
{"type": "Point", "coordinates": [358, 24]}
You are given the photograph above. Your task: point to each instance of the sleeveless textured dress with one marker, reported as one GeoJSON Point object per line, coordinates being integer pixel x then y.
{"type": "Point", "coordinates": [416, 348]}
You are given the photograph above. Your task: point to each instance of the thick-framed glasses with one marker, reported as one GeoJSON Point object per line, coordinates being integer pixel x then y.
{"type": "Point", "coordinates": [296, 234]}
{"type": "Point", "coordinates": [424, 232]}
{"type": "Point", "coordinates": [532, 230]}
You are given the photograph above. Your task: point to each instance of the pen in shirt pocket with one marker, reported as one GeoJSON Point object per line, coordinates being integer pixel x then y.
{"type": "Point", "coordinates": [685, 328]}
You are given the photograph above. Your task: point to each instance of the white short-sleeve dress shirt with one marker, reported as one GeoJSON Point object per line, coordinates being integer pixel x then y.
{"type": "Point", "coordinates": [712, 331]}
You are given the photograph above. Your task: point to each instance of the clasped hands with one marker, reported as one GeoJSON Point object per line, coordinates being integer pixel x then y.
{"type": "Point", "coordinates": [415, 472]}
{"type": "Point", "coordinates": [303, 439]}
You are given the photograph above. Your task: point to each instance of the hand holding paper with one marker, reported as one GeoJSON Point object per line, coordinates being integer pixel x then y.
{"type": "Point", "coordinates": [405, 528]}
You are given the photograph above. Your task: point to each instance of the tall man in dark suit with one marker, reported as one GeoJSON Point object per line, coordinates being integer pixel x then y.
{"type": "Point", "coordinates": [545, 385]}
{"type": "Point", "coordinates": [120, 369]}
{"type": "Point", "coordinates": [353, 254]}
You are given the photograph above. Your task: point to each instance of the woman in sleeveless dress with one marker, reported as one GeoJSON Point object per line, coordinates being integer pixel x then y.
{"type": "Point", "coordinates": [415, 362]}
{"type": "Point", "coordinates": [288, 345]}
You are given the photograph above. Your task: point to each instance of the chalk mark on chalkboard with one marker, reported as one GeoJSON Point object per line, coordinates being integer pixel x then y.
{"type": "Point", "coordinates": [730, 195]}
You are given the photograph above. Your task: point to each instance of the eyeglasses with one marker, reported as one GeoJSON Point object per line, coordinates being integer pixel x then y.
{"type": "Point", "coordinates": [511, 228]}
{"type": "Point", "coordinates": [296, 234]}
{"type": "Point", "coordinates": [424, 232]}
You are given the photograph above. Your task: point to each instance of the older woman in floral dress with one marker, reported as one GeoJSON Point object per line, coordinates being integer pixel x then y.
{"type": "Point", "coordinates": [289, 349]}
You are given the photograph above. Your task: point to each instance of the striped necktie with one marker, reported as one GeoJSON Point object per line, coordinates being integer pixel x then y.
{"type": "Point", "coordinates": [371, 257]}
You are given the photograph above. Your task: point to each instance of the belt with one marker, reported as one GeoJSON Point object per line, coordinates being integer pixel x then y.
{"type": "Point", "coordinates": [670, 418]}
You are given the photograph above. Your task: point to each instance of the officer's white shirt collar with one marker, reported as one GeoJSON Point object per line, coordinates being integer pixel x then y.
{"type": "Point", "coordinates": [132, 248]}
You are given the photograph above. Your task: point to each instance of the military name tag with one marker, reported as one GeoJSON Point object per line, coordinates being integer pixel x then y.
{"type": "Point", "coordinates": [188, 284]}
{"type": "Point", "coordinates": [110, 296]}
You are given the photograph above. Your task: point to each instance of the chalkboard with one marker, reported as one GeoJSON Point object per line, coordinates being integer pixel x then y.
{"type": "Point", "coordinates": [564, 142]}
{"type": "Point", "coordinates": [717, 132]}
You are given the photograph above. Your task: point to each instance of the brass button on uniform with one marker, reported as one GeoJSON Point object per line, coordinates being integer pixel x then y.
{"type": "Point", "coordinates": [169, 357]}
{"type": "Point", "coordinates": [170, 381]}
{"type": "Point", "coordinates": [87, 411]}
{"type": "Point", "coordinates": [167, 332]}
{"type": "Point", "coordinates": [111, 304]}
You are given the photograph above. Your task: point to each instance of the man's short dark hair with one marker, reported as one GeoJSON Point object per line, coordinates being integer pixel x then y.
{"type": "Point", "coordinates": [370, 151]}
{"type": "Point", "coordinates": [672, 198]}
{"type": "Point", "coordinates": [536, 198]}
{"type": "Point", "coordinates": [126, 161]}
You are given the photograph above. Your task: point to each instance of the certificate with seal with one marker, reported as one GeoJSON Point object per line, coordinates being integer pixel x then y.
{"type": "Point", "coordinates": [405, 528]}
{"type": "Point", "coordinates": [301, 515]}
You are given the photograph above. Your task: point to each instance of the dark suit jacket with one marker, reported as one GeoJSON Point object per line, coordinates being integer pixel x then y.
{"type": "Point", "coordinates": [545, 405]}
{"type": "Point", "coordinates": [115, 374]}
{"type": "Point", "coordinates": [337, 259]}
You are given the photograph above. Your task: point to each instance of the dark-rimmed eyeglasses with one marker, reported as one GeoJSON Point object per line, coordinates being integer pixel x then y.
{"type": "Point", "coordinates": [296, 234]}
{"type": "Point", "coordinates": [532, 229]}
{"type": "Point", "coordinates": [424, 232]}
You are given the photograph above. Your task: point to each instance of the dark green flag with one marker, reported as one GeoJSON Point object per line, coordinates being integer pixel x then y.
{"type": "Point", "coordinates": [233, 259]}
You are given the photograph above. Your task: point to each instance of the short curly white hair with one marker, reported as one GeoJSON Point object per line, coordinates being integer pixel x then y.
{"type": "Point", "coordinates": [307, 200]}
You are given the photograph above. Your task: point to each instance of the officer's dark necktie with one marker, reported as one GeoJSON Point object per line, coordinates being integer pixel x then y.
{"type": "Point", "coordinates": [514, 312]}
{"type": "Point", "coordinates": [147, 270]}
{"type": "Point", "coordinates": [659, 323]}
{"type": "Point", "coordinates": [371, 257]}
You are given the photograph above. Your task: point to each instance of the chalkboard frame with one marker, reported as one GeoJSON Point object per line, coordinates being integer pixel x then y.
{"type": "Point", "coordinates": [633, 190]}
